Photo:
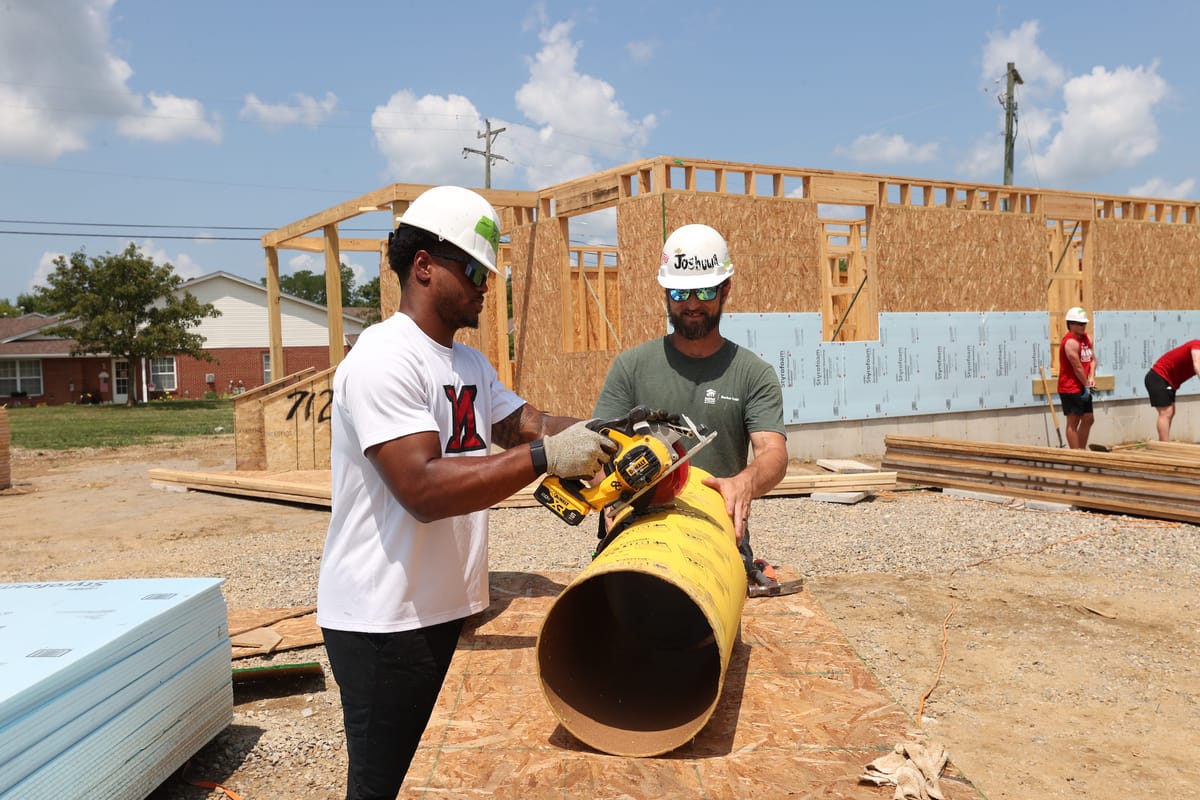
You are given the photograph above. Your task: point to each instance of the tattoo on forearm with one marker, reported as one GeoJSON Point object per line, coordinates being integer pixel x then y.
{"type": "Point", "coordinates": [507, 432]}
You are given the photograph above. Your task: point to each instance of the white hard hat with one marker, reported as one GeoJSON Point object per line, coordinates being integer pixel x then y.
{"type": "Point", "coordinates": [459, 216]}
{"type": "Point", "coordinates": [1076, 314]}
{"type": "Point", "coordinates": [694, 257]}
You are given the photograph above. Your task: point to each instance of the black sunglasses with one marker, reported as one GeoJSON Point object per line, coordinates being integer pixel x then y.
{"type": "Point", "coordinates": [476, 273]}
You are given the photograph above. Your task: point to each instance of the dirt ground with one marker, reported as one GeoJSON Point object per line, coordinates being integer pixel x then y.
{"type": "Point", "coordinates": [1048, 675]}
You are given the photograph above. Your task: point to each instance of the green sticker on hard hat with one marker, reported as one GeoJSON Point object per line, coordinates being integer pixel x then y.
{"type": "Point", "coordinates": [486, 227]}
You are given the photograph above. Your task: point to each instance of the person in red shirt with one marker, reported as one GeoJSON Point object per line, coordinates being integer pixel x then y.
{"type": "Point", "coordinates": [1164, 379]}
{"type": "Point", "coordinates": [1077, 378]}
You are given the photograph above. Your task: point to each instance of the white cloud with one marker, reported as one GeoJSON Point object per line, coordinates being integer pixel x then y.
{"type": "Point", "coordinates": [576, 118]}
{"type": "Point", "coordinates": [1158, 187]}
{"type": "Point", "coordinates": [44, 269]}
{"type": "Point", "coordinates": [641, 51]}
{"type": "Point", "coordinates": [1108, 124]}
{"type": "Point", "coordinates": [1041, 76]}
{"type": "Point", "coordinates": [894, 149]}
{"type": "Point", "coordinates": [423, 138]}
{"type": "Point", "coordinates": [170, 118]}
{"type": "Point", "coordinates": [558, 97]}
{"type": "Point", "coordinates": [304, 110]}
{"type": "Point", "coordinates": [50, 103]}
{"type": "Point", "coordinates": [1070, 129]}
{"type": "Point", "coordinates": [185, 266]}
{"type": "Point", "coordinates": [60, 79]}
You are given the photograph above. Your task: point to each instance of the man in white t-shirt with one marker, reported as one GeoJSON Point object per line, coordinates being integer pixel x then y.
{"type": "Point", "coordinates": [414, 416]}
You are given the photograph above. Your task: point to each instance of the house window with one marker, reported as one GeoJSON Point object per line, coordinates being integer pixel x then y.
{"type": "Point", "coordinates": [162, 373]}
{"type": "Point", "coordinates": [20, 378]}
{"type": "Point", "coordinates": [266, 368]}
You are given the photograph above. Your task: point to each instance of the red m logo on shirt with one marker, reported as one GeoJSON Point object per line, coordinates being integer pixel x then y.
{"type": "Point", "coordinates": [464, 436]}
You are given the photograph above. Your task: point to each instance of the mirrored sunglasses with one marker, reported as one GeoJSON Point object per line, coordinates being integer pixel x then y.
{"type": "Point", "coordinates": [704, 295]}
{"type": "Point", "coordinates": [476, 273]}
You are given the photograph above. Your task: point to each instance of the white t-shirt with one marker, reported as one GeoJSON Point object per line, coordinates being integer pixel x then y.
{"type": "Point", "coordinates": [382, 570]}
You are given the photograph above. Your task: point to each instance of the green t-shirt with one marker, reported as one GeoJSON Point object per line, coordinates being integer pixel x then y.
{"type": "Point", "coordinates": [733, 392]}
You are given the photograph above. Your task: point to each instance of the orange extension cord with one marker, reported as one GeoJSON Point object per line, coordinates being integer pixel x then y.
{"type": "Point", "coordinates": [230, 793]}
{"type": "Point", "coordinates": [941, 664]}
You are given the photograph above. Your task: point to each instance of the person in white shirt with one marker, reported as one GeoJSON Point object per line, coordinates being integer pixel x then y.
{"type": "Point", "coordinates": [413, 419]}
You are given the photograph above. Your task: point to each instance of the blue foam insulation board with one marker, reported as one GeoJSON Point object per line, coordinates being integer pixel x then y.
{"type": "Point", "coordinates": [106, 687]}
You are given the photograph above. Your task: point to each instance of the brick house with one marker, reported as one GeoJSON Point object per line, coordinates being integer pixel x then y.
{"type": "Point", "coordinates": [37, 368]}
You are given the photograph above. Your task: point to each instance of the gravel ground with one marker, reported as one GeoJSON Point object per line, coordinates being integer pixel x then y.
{"type": "Point", "coordinates": [908, 533]}
{"type": "Point", "coordinates": [1070, 626]}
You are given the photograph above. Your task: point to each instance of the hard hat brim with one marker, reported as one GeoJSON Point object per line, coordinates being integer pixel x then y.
{"type": "Point", "coordinates": [692, 281]}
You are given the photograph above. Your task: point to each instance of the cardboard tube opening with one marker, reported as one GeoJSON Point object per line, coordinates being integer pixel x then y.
{"type": "Point", "coordinates": [630, 663]}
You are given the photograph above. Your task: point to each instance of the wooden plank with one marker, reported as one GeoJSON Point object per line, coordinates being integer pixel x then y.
{"type": "Point", "coordinates": [600, 192]}
{"type": "Point", "coordinates": [316, 244]}
{"type": "Point", "coordinates": [1065, 206]}
{"type": "Point", "coordinates": [1126, 483]}
{"type": "Point", "coordinates": [844, 465]}
{"type": "Point", "coordinates": [845, 190]}
{"type": "Point", "coordinates": [1104, 383]}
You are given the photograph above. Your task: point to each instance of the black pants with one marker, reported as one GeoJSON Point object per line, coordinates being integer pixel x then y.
{"type": "Point", "coordinates": [389, 683]}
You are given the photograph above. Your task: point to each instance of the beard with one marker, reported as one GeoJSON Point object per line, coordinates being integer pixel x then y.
{"type": "Point", "coordinates": [694, 328]}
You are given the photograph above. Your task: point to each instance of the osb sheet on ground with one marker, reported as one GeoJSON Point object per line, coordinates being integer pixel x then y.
{"type": "Point", "coordinates": [257, 631]}
{"type": "Point", "coordinates": [799, 716]}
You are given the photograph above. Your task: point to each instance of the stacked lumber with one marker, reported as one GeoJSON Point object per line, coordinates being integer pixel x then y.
{"type": "Point", "coordinates": [1143, 483]}
{"type": "Point", "coordinates": [307, 487]}
{"type": "Point", "coordinates": [311, 487]}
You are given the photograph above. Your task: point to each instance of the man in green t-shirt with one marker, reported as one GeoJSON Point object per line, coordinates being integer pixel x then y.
{"type": "Point", "coordinates": [694, 370]}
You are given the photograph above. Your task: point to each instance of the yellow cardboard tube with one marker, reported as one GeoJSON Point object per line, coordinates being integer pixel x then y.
{"type": "Point", "coordinates": [632, 655]}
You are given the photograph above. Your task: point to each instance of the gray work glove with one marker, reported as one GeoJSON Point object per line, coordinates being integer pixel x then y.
{"type": "Point", "coordinates": [577, 452]}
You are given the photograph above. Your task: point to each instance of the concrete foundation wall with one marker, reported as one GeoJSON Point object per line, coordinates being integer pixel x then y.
{"type": "Point", "coordinates": [1117, 422]}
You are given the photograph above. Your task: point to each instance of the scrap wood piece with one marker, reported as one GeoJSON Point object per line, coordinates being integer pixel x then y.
{"type": "Point", "coordinates": [259, 640]}
{"type": "Point", "coordinates": [293, 632]}
{"type": "Point", "coordinates": [844, 465]}
{"type": "Point", "coordinates": [247, 619]}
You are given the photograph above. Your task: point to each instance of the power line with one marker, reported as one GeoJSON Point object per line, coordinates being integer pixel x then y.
{"type": "Point", "coordinates": [131, 236]}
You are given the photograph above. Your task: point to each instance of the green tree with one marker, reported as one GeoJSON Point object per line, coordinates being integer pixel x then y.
{"type": "Point", "coordinates": [308, 285]}
{"type": "Point", "coordinates": [7, 309]}
{"type": "Point", "coordinates": [124, 305]}
{"type": "Point", "coordinates": [368, 294]}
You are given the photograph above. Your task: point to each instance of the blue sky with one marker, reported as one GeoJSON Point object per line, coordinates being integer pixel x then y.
{"type": "Point", "coordinates": [139, 117]}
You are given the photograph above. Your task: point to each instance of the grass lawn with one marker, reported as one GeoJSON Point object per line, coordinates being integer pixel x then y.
{"type": "Point", "coordinates": [74, 426]}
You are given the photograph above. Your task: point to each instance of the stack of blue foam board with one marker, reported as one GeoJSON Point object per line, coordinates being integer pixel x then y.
{"type": "Point", "coordinates": [107, 687]}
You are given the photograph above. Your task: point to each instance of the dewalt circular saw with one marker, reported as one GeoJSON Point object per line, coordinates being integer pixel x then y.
{"type": "Point", "coordinates": [650, 448]}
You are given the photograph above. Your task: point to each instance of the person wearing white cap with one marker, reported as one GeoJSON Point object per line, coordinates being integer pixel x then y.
{"type": "Point", "coordinates": [696, 371]}
{"type": "Point", "coordinates": [1077, 378]}
{"type": "Point", "coordinates": [413, 418]}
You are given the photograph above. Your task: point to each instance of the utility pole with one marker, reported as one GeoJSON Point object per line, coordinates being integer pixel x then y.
{"type": "Point", "coordinates": [1010, 118]}
{"type": "Point", "coordinates": [489, 136]}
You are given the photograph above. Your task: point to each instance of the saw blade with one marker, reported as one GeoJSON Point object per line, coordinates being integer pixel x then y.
{"type": "Point", "coordinates": [683, 459]}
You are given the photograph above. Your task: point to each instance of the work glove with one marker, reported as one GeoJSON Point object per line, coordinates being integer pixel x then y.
{"type": "Point", "coordinates": [1087, 393]}
{"type": "Point", "coordinates": [577, 452]}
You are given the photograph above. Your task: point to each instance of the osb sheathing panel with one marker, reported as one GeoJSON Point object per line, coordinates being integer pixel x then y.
{"type": "Point", "coordinates": [552, 380]}
{"type": "Point", "coordinates": [773, 243]}
{"type": "Point", "coordinates": [1144, 266]}
{"type": "Point", "coordinates": [933, 259]}
{"type": "Point", "coordinates": [799, 716]}
{"type": "Point", "coordinates": [296, 424]}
